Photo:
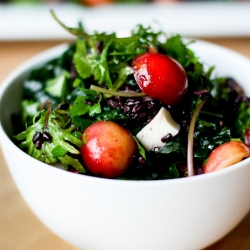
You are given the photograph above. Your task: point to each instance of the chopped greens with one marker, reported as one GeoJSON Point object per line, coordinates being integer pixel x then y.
{"type": "Point", "coordinates": [93, 80]}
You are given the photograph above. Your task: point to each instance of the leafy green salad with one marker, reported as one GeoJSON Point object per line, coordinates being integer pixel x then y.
{"type": "Point", "coordinates": [109, 80]}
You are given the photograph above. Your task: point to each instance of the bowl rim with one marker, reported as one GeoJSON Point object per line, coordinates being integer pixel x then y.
{"type": "Point", "coordinates": [53, 52]}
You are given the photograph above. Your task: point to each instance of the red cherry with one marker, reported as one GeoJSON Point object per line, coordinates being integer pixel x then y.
{"type": "Point", "coordinates": [160, 77]}
{"type": "Point", "coordinates": [108, 149]}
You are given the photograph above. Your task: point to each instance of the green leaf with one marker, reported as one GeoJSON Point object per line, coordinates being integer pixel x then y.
{"type": "Point", "coordinates": [74, 31]}
{"type": "Point", "coordinates": [177, 144]}
{"type": "Point", "coordinates": [82, 123]}
{"type": "Point", "coordinates": [207, 140]}
{"type": "Point", "coordinates": [58, 151]}
{"type": "Point", "coordinates": [242, 121]}
{"type": "Point", "coordinates": [76, 82]}
{"type": "Point", "coordinates": [92, 64]}
{"type": "Point", "coordinates": [83, 66]}
{"type": "Point", "coordinates": [171, 172]}
{"type": "Point", "coordinates": [29, 110]}
{"type": "Point", "coordinates": [176, 48]}
{"type": "Point", "coordinates": [123, 73]}
{"type": "Point", "coordinates": [56, 86]}
{"type": "Point", "coordinates": [141, 149]}
{"type": "Point", "coordinates": [61, 139]}
{"type": "Point", "coordinates": [81, 107]}
{"type": "Point", "coordinates": [101, 71]}
{"type": "Point", "coordinates": [68, 161]}
{"type": "Point", "coordinates": [112, 114]}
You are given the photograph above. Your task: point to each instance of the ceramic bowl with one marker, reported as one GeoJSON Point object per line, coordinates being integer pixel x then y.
{"type": "Point", "coordinates": [103, 214]}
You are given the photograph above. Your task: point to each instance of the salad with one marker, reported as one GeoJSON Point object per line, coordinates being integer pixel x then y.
{"type": "Point", "coordinates": [140, 107]}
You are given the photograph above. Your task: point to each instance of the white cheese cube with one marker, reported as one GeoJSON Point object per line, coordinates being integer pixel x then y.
{"type": "Point", "coordinates": [161, 125]}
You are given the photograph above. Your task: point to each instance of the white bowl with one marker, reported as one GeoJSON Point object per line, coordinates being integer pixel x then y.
{"type": "Point", "coordinates": [102, 214]}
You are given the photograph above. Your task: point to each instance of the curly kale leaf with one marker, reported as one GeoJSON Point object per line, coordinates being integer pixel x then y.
{"type": "Point", "coordinates": [112, 114]}
{"type": "Point", "coordinates": [176, 145]}
{"type": "Point", "coordinates": [242, 121]}
{"type": "Point", "coordinates": [171, 172]}
{"type": "Point", "coordinates": [205, 142]}
{"type": "Point", "coordinates": [60, 138]}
